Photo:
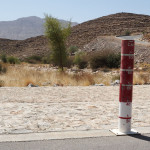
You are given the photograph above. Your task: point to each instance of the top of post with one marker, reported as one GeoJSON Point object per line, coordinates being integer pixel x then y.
{"type": "Point", "coordinates": [127, 47]}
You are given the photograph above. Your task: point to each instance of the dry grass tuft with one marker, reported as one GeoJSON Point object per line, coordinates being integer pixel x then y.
{"type": "Point", "coordinates": [141, 78]}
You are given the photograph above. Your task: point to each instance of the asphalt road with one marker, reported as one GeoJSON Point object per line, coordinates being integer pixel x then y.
{"type": "Point", "coordinates": [134, 142]}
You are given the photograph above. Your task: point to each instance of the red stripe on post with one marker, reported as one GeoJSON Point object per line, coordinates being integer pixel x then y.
{"type": "Point", "coordinates": [125, 117]}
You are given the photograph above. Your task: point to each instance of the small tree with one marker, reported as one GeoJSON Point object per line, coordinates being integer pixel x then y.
{"type": "Point", "coordinates": [57, 37]}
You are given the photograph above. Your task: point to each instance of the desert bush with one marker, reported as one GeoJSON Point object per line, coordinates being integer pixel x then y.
{"type": "Point", "coordinates": [80, 60]}
{"type": "Point", "coordinates": [46, 60]}
{"type": "Point", "coordinates": [0, 68]}
{"type": "Point", "coordinates": [4, 58]}
{"type": "Point", "coordinates": [106, 69]}
{"type": "Point", "coordinates": [82, 64]}
{"type": "Point", "coordinates": [72, 49]}
{"type": "Point", "coordinates": [97, 62]}
{"type": "Point", "coordinates": [105, 59]}
{"type": "Point", "coordinates": [13, 60]}
{"type": "Point", "coordinates": [34, 59]}
{"type": "Point", "coordinates": [69, 62]}
{"type": "Point", "coordinates": [113, 60]}
{"type": "Point", "coordinates": [77, 58]}
{"type": "Point", "coordinates": [127, 33]}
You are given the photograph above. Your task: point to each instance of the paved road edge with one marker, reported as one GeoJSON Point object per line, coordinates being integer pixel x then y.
{"type": "Point", "coordinates": [62, 135]}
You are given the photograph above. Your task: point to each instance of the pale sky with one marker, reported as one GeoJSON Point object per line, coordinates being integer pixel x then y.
{"type": "Point", "coordinates": [76, 10]}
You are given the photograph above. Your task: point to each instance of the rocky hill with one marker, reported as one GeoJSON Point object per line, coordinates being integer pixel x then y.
{"type": "Point", "coordinates": [93, 35]}
{"type": "Point", "coordinates": [24, 28]}
{"type": "Point", "coordinates": [116, 24]}
{"type": "Point", "coordinates": [24, 48]}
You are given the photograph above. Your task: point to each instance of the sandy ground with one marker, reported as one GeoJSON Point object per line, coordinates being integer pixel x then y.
{"type": "Point", "coordinates": [44, 109]}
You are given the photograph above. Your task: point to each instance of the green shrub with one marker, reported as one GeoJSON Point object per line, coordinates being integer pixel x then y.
{"type": "Point", "coordinates": [127, 33]}
{"type": "Point", "coordinates": [69, 62]}
{"type": "Point", "coordinates": [34, 59]}
{"type": "Point", "coordinates": [0, 68]}
{"type": "Point", "coordinates": [13, 60]}
{"type": "Point", "coordinates": [72, 49]}
{"type": "Point", "coordinates": [46, 60]}
{"type": "Point", "coordinates": [77, 59]}
{"type": "Point", "coordinates": [4, 58]}
{"type": "Point", "coordinates": [113, 60]}
{"type": "Point", "coordinates": [106, 69]}
{"type": "Point", "coordinates": [105, 59]}
{"type": "Point", "coordinates": [80, 60]}
{"type": "Point", "coordinates": [82, 64]}
{"type": "Point", "coordinates": [98, 62]}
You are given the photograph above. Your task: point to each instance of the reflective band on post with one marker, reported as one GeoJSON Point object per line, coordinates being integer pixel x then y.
{"type": "Point", "coordinates": [129, 70]}
{"type": "Point", "coordinates": [125, 117]}
{"type": "Point", "coordinates": [127, 55]}
{"type": "Point", "coordinates": [127, 85]}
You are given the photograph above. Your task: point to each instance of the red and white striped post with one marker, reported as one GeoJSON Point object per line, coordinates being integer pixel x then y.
{"type": "Point", "coordinates": [126, 87]}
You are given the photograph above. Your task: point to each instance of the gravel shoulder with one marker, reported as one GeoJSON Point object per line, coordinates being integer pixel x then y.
{"type": "Point", "coordinates": [45, 109]}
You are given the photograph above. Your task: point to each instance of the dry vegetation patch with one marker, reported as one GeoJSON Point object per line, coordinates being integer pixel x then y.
{"type": "Point", "coordinates": [42, 75]}
{"type": "Point", "coordinates": [22, 75]}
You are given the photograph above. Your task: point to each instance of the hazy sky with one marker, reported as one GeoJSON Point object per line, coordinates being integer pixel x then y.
{"type": "Point", "coordinates": [76, 10]}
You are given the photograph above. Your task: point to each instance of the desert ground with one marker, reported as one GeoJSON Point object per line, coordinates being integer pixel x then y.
{"type": "Point", "coordinates": [46, 109]}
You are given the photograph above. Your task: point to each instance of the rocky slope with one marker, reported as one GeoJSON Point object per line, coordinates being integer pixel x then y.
{"type": "Point", "coordinates": [24, 48]}
{"type": "Point", "coordinates": [93, 35]}
{"type": "Point", "coordinates": [111, 43]}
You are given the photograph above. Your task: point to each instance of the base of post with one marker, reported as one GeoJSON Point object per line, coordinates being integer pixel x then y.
{"type": "Point", "coordinates": [117, 132]}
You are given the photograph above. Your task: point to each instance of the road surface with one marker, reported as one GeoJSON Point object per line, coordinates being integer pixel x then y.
{"type": "Point", "coordinates": [136, 142]}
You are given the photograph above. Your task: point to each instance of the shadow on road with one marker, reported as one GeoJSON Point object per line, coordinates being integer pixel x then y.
{"type": "Point", "coordinates": [141, 137]}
